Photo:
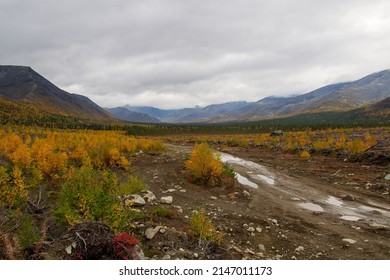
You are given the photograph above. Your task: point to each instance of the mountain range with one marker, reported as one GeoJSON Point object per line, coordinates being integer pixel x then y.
{"type": "Point", "coordinates": [331, 98]}
{"type": "Point", "coordinates": [23, 89]}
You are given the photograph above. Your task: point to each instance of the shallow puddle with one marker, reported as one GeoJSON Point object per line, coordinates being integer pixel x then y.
{"type": "Point", "coordinates": [256, 171]}
{"type": "Point", "coordinates": [245, 181]}
{"type": "Point", "coordinates": [268, 180]}
{"type": "Point", "coordinates": [334, 201]}
{"type": "Point", "coordinates": [350, 218]}
{"type": "Point", "coordinates": [312, 207]}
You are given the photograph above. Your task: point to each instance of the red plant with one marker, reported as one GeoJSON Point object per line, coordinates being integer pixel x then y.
{"type": "Point", "coordinates": [125, 246]}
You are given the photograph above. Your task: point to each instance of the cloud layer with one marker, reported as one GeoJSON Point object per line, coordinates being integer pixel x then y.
{"type": "Point", "coordinates": [174, 53]}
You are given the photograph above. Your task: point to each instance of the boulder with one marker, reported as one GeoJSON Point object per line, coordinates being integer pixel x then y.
{"type": "Point", "coordinates": [150, 233]}
{"type": "Point", "coordinates": [148, 196]}
{"type": "Point", "coordinates": [379, 226]}
{"type": "Point", "coordinates": [166, 200]}
{"type": "Point", "coordinates": [348, 197]}
{"type": "Point", "coordinates": [349, 241]}
{"type": "Point", "coordinates": [134, 200]}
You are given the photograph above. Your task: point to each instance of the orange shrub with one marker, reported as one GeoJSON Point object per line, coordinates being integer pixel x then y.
{"type": "Point", "coordinates": [204, 165]}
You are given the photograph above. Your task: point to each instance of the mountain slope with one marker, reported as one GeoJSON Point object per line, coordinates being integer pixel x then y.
{"type": "Point", "coordinates": [330, 98]}
{"type": "Point", "coordinates": [130, 116]}
{"type": "Point", "coordinates": [23, 85]}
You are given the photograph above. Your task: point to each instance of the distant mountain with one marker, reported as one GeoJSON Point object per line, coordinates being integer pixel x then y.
{"type": "Point", "coordinates": [130, 116]}
{"type": "Point", "coordinates": [330, 98]}
{"type": "Point", "coordinates": [190, 115]}
{"type": "Point", "coordinates": [22, 85]}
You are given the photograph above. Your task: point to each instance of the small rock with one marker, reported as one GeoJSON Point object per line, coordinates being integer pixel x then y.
{"type": "Point", "coordinates": [379, 226]}
{"type": "Point", "coordinates": [350, 241]}
{"type": "Point", "coordinates": [295, 199]}
{"type": "Point", "coordinates": [251, 229]}
{"type": "Point", "coordinates": [299, 249]}
{"type": "Point", "coordinates": [169, 191]}
{"type": "Point", "coordinates": [261, 247]}
{"type": "Point", "coordinates": [348, 197]}
{"type": "Point", "coordinates": [166, 199]}
{"type": "Point", "coordinates": [166, 257]}
{"type": "Point", "coordinates": [387, 177]}
{"type": "Point", "coordinates": [181, 250]}
{"type": "Point", "coordinates": [151, 232]}
{"type": "Point", "coordinates": [183, 191]}
{"type": "Point", "coordinates": [259, 229]}
{"type": "Point", "coordinates": [162, 230]}
{"type": "Point", "coordinates": [148, 196]}
{"type": "Point", "coordinates": [213, 197]}
{"type": "Point", "coordinates": [248, 251]}
{"type": "Point", "coordinates": [68, 249]}
{"type": "Point", "coordinates": [274, 221]}
{"type": "Point", "coordinates": [235, 248]}
{"type": "Point", "coordinates": [246, 193]}
{"type": "Point", "coordinates": [196, 255]}
{"type": "Point", "coordinates": [134, 200]}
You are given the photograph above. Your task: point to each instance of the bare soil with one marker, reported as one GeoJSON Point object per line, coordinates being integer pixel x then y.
{"type": "Point", "coordinates": [323, 207]}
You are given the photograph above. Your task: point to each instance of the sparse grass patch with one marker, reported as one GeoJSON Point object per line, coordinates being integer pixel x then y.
{"type": "Point", "coordinates": [162, 211]}
{"type": "Point", "coordinates": [203, 229]}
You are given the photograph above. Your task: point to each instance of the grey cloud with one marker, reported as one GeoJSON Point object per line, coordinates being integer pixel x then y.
{"type": "Point", "coordinates": [183, 53]}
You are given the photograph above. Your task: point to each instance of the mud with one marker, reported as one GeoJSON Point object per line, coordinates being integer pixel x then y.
{"type": "Point", "coordinates": [293, 203]}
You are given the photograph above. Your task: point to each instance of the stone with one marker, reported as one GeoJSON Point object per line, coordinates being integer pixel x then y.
{"type": "Point", "coordinates": [134, 200]}
{"type": "Point", "coordinates": [259, 229]}
{"type": "Point", "coordinates": [150, 233]}
{"type": "Point", "coordinates": [349, 241]}
{"type": "Point", "coordinates": [166, 199]}
{"type": "Point", "coordinates": [348, 197]}
{"type": "Point", "coordinates": [169, 191]}
{"type": "Point", "coordinates": [235, 248]}
{"type": "Point", "coordinates": [196, 255]}
{"type": "Point", "coordinates": [261, 247]}
{"type": "Point", "coordinates": [166, 257]}
{"type": "Point", "coordinates": [249, 251]}
{"type": "Point", "coordinates": [136, 253]}
{"type": "Point", "coordinates": [213, 197]}
{"type": "Point", "coordinates": [68, 249]}
{"type": "Point", "coordinates": [387, 177]}
{"type": "Point", "coordinates": [299, 249]}
{"type": "Point", "coordinates": [251, 229]}
{"type": "Point", "coordinates": [148, 196]}
{"type": "Point", "coordinates": [274, 221]}
{"type": "Point", "coordinates": [246, 193]}
{"type": "Point", "coordinates": [379, 226]}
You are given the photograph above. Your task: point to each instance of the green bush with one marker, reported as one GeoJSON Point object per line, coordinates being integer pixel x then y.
{"type": "Point", "coordinates": [91, 195]}
{"type": "Point", "coordinates": [134, 185]}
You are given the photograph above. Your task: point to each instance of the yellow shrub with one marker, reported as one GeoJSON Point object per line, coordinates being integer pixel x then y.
{"type": "Point", "coordinates": [21, 156]}
{"type": "Point", "coordinates": [305, 155]}
{"type": "Point", "coordinates": [203, 229]}
{"type": "Point", "coordinates": [204, 165]}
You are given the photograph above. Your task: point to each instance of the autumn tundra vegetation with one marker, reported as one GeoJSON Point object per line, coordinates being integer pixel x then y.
{"type": "Point", "coordinates": [80, 175]}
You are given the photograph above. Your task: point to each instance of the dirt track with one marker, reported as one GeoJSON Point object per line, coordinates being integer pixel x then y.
{"type": "Point", "coordinates": [296, 212]}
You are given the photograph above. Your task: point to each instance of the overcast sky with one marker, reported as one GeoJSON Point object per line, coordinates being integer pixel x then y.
{"type": "Point", "coordinates": [183, 53]}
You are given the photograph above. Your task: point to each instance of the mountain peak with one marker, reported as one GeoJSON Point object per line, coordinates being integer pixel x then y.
{"type": "Point", "coordinates": [21, 84]}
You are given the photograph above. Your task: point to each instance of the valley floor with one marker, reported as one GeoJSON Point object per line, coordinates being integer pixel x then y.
{"type": "Point", "coordinates": [317, 208]}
